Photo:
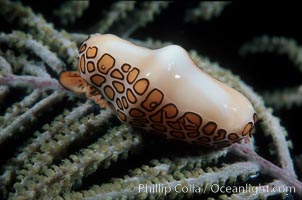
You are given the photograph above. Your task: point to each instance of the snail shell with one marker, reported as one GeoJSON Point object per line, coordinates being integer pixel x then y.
{"type": "Point", "coordinates": [162, 91]}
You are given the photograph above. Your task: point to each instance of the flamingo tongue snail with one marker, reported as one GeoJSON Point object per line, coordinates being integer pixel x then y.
{"type": "Point", "coordinates": [161, 91]}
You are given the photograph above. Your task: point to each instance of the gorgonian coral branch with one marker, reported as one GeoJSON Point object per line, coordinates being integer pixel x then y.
{"type": "Point", "coordinates": [206, 11]}
{"type": "Point", "coordinates": [55, 139]}
{"type": "Point", "coordinates": [29, 115]}
{"type": "Point", "coordinates": [25, 42]}
{"type": "Point", "coordinates": [5, 66]}
{"type": "Point", "coordinates": [5, 69]}
{"type": "Point", "coordinates": [158, 168]}
{"type": "Point", "coordinates": [267, 167]}
{"type": "Point", "coordinates": [70, 11]}
{"type": "Point", "coordinates": [285, 98]}
{"type": "Point", "coordinates": [41, 83]}
{"type": "Point", "coordinates": [19, 107]}
{"type": "Point", "coordinates": [106, 149]}
{"type": "Point", "coordinates": [69, 132]}
{"type": "Point", "coordinates": [141, 16]}
{"type": "Point", "coordinates": [131, 188]}
{"type": "Point", "coordinates": [35, 145]}
{"type": "Point", "coordinates": [275, 44]}
{"type": "Point", "coordinates": [25, 18]}
{"type": "Point", "coordinates": [119, 10]}
{"type": "Point", "coordinates": [78, 38]}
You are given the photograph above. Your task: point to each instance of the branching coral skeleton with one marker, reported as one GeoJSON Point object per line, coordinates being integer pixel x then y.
{"type": "Point", "coordinates": [47, 164]}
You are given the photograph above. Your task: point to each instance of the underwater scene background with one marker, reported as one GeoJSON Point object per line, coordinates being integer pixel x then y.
{"type": "Point", "coordinates": [58, 145]}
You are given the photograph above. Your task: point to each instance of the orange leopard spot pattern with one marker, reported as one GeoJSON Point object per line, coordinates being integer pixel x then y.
{"type": "Point", "coordinates": [138, 102]}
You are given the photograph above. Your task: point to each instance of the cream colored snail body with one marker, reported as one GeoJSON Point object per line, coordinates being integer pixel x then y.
{"type": "Point", "coordinates": [161, 90]}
